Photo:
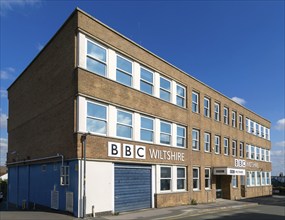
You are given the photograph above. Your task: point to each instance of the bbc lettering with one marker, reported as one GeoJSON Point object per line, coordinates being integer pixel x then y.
{"type": "Point", "coordinates": [126, 151]}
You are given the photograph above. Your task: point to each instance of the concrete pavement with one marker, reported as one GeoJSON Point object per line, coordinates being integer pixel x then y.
{"type": "Point", "coordinates": [151, 214]}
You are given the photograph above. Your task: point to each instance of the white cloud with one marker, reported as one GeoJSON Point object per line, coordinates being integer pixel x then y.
{"type": "Point", "coordinates": [277, 152]}
{"type": "Point", "coordinates": [7, 73]}
{"type": "Point", "coordinates": [3, 93]}
{"type": "Point", "coordinates": [280, 144]}
{"type": "Point", "coordinates": [9, 5]}
{"type": "Point", "coordinates": [3, 120]}
{"type": "Point", "coordinates": [239, 100]}
{"type": "Point", "coordinates": [280, 125]}
{"type": "Point", "coordinates": [278, 161]}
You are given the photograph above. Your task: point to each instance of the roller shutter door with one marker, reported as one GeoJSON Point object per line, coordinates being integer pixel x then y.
{"type": "Point", "coordinates": [132, 187]}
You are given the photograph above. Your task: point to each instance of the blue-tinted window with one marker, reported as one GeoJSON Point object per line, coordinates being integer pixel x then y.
{"type": "Point", "coordinates": [146, 81]}
{"type": "Point", "coordinates": [96, 118]}
{"type": "Point", "coordinates": [96, 58]}
{"type": "Point", "coordinates": [124, 124]}
{"type": "Point", "coordinates": [165, 133]}
{"type": "Point", "coordinates": [165, 89]}
{"type": "Point", "coordinates": [146, 130]}
{"type": "Point", "coordinates": [124, 71]}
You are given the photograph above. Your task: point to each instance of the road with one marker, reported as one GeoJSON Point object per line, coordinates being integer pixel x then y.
{"type": "Point", "coordinates": [268, 208]}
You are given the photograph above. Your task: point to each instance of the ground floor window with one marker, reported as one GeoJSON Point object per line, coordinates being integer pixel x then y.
{"type": "Point", "coordinates": [234, 181]}
{"type": "Point", "coordinates": [165, 178]}
{"type": "Point", "coordinates": [207, 178]}
{"type": "Point", "coordinates": [196, 185]}
{"type": "Point", "coordinates": [172, 178]}
{"type": "Point", "coordinates": [181, 178]}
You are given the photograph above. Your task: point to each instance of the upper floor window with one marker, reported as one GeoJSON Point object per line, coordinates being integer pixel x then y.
{"type": "Point", "coordinates": [206, 107]}
{"type": "Point", "coordinates": [181, 134]}
{"type": "Point", "coordinates": [195, 140]}
{"type": "Point", "coordinates": [234, 119]}
{"type": "Point", "coordinates": [165, 86]}
{"type": "Point", "coordinates": [124, 71]}
{"type": "Point", "coordinates": [247, 121]}
{"type": "Point", "coordinates": [267, 133]}
{"type": "Point", "coordinates": [252, 126]}
{"type": "Point", "coordinates": [241, 149]}
{"type": "Point", "coordinates": [226, 115]}
{"type": "Point", "coordinates": [165, 133]}
{"type": "Point", "coordinates": [196, 179]}
{"type": "Point", "coordinates": [226, 146]}
{"type": "Point", "coordinates": [262, 154]}
{"type": "Point", "coordinates": [96, 58]}
{"type": "Point", "coordinates": [257, 128]}
{"type": "Point", "coordinates": [207, 142]}
{"type": "Point", "coordinates": [124, 124]}
{"type": "Point", "coordinates": [195, 102]}
{"type": "Point", "coordinates": [234, 148]}
{"type": "Point", "coordinates": [165, 178]}
{"type": "Point", "coordinates": [252, 152]}
{"type": "Point", "coordinates": [262, 131]}
{"type": "Point", "coordinates": [217, 112]}
{"type": "Point", "coordinates": [257, 155]}
{"type": "Point", "coordinates": [146, 130]}
{"type": "Point", "coordinates": [96, 118]}
{"type": "Point", "coordinates": [180, 95]}
{"type": "Point", "coordinates": [240, 122]}
{"type": "Point", "coordinates": [217, 144]}
{"type": "Point", "coordinates": [146, 81]}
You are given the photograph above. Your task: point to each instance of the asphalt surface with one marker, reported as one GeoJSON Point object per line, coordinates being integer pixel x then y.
{"type": "Point", "coordinates": [272, 208]}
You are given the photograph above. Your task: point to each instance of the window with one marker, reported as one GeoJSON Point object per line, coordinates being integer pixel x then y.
{"type": "Point", "coordinates": [234, 119]}
{"type": "Point", "coordinates": [96, 121]}
{"type": "Point", "coordinates": [257, 129]}
{"type": "Point", "coordinates": [207, 178]}
{"type": "Point", "coordinates": [146, 129]}
{"type": "Point", "coordinates": [196, 181]}
{"type": "Point", "coordinates": [217, 144]}
{"type": "Point", "coordinates": [267, 133]}
{"type": "Point", "coordinates": [165, 89]}
{"type": "Point", "coordinates": [226, 115]}
{"type": "Point", "coordinates": [195, 102]}
{"type": "Point", "coordinates": [206, 107]}
{"type": "Point", "coordinates": [267, 155]}
{"type": "Point", "coordinates": [263, 178]}
{"type": "Point", "coordinates": [226, 146]}
{"type": "Point", "coordinates": [262, 131]}
{"type": "Point", "coordinates": [64, 175]}
{"type": "Point", "coordinates": [240, 122]}
{"type": "Point", "coordinates": [217, 112]}
{"type": "Point", "coordinates": [247, 151]}
{"type": "Point", "coordinates": [234, 148]}
{"type": "Point", "coordinates": [124, 71]}
{"type": "Point", "coordinates": [181, 178]}
{"type": "Point", "coordinates": [234, 181]}
{"type": "Point", "coordinates": [258, 178]}
{"type": "Point", "coordinates": [96, 58]}
{"type": "Point", "coordinates": [262, 154]}
{"type": "Point", "coordinates": [165, 133]}
{"type": "Point", "coordinates": [165, 178]}
{"type": "Point", "coordinates": [247, 121]}
{"type": "Point", "coordinates": [146, 81]}
{"type": "Point", "coordinates": [248, 182]}
{"type": "Point", "coordinates": [257, 155]}
{"type": "Point", "coordinates": [207, 142]}
{"type": "Point", "coordinates": [268, 178]}
{"type": "Point", "coordinates": [253, 182]}
{"type": "Point", "coordinates": [195, 140]}
{"type": "Point", "coordinates": [180, 95]}
{"type": "Point", "coordinates": [181, 134]}
{"type": "Point", "coordinates": [241, 150]}
{"type": "Point", "coordinates": [252, 127]}
{"type": "Point", "coordinates": [124, 124]}
{"type": "Point", "coordinates": [252, 152]}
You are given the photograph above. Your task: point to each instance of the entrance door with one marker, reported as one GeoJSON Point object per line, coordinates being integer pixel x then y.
{"type": "Point", "coordinates": [132, 187]}
{"type": "Point", "coordinates": [242, 188]}
{"type": "Point", "coordinates": [219, 192]}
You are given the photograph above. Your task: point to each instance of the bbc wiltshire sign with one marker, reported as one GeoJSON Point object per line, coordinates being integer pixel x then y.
{"type": "Point", "coordinates": [139, 152]}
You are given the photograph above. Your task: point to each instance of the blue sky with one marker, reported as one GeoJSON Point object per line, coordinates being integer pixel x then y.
{"type": "Point", "coordinates": [236, 47]}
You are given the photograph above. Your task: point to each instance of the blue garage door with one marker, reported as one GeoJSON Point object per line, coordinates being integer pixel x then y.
{"type": "Point", "coordinates": [132, 187]}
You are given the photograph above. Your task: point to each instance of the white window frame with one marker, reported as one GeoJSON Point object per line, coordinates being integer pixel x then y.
{"type": "Point", "coordinates": [197, 142]}
{"type": "Point", "coordinates": [64, 175]}
{"type": "Point", "coordinates": [241, 122]}
{"type": "Point", "coordinates": [183, 137]}
{"type": "Point", "coordinates": [196, 178]}
{"type": "Point", "coordinates": [208, 179]}
{"type": "Point", "coordinates": [181, 178]}
{"type": "Point", "coordinates": [207, 108]}
{"type": "Point", "coordinates": [166, 178]}
{"type": "Point", "coordinates": [234, 181]}
{"type": "Point", "coordinates": [131, 126]}
{"type": "Point", "coordinates": [196, 104]}
{"type": "Point", "coordinates": [147, 82]}
{"type": "Point", "coordinates": [179, 96]}
{"type": "Point", "coordinates": [234, 116]}
{"type": "Point", "coordinates": [234, 148]}
{"type": "Point", "coordinates": [146, 129]}
{"type": "Point", "coordinates": [217, 144]}
{"type": "Point", "coordinates": [226, 115]}
{"type": "Point", "coordinates": [257, 153]}
{"type": "Point", "coordinates": [95, 118]}
{"type": "Point", "coordinates": [248, 178]}
{"type": "Point", "coordinates": [217, 111]}
{"type": "Point", "coordinates": [207, 142]}
{"type": "Point", "coordinates": [123, 71]}
{"type": "Point", "coordinates": [248, 153]}
{"type": "Point", "coordinates": [226, 146]}
{"type": "Point", "coordinates": [170, 134]}
{"type": "Point", "coordinates": [165, 90]}
{"type": "Point", "coordinates": [241, 150]}
{"type": "Point", "coordinates": [252, 152]}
